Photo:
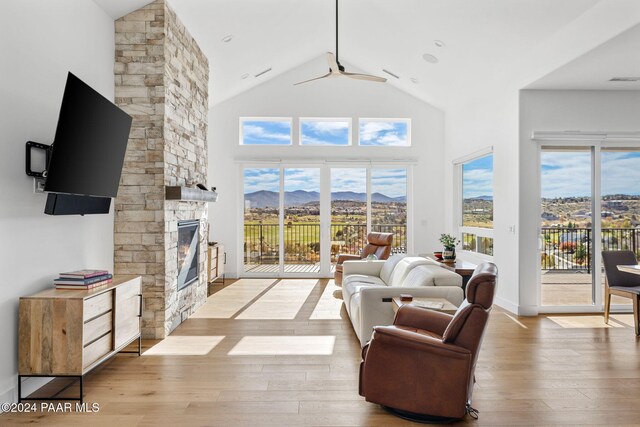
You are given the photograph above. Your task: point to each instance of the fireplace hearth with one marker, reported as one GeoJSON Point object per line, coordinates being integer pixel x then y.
{"type": "Point", "coordinates": [188, 243]}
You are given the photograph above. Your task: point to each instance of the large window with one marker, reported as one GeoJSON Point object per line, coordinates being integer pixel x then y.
{"type": "Point", "coordinates": [476, 213]}
{"type": "Point", "coordinates": [321, 131]}
{"type": "Point", "coordinates": [384, 132]}
{"type": "Point", "coordinates": [265, 131]}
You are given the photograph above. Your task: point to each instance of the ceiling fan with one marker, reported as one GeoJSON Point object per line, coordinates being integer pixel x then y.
{"type": "Point", "coordinates": [337, 70]}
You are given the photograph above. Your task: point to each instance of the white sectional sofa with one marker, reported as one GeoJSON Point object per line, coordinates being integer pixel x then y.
{"type": "Point", "coordinates": [369, 286]}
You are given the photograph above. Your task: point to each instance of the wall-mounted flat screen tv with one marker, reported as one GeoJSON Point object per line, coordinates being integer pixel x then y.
{"type": "Point", "coordinates": [89, 145]}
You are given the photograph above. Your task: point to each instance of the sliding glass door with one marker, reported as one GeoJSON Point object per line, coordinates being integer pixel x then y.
{"type": "Point", "coordinates": [261, 206]}
{"type": "Point", "coordinates": [590, 199]}
{"type": "Point", "coordinates": [296, 220]}
{"type": "Point", "coordinates": [301, 227]}
{"type": "Point", "coordinates": [567, 256]}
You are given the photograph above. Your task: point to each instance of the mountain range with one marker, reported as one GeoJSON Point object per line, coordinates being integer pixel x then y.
{"type": "Point", "coordinates": [487, 198]}
{"type": "Point", "coordinates": [264, 198]}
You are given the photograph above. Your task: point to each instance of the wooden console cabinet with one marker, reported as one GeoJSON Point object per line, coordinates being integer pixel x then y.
{"type": "Point", "coordinates": [217, 260]}
{"type": "Point", "coordinates": [69, 332]}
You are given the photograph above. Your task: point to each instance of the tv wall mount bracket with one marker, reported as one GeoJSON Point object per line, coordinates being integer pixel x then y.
{"type": "Point", "coordinates": [38, 177]}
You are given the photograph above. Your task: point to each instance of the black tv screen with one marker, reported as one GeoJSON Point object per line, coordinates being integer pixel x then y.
{"type": "Point", "coordinates": [89, 145]}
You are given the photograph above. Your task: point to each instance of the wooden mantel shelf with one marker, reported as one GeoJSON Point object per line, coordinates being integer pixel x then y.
{"type": "Point", "coordinates": [187, 194]}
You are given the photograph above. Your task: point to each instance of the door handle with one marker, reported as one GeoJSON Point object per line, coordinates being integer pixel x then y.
{"type": "Point", "coordinates": [141, 305]}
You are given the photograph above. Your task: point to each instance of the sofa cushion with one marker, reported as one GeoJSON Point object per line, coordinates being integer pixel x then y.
{"type": "Point", "coordinates": [405, 265]}
{"type": "Point", "coordinates": [364, 279]}
{"type": "Point", "coordinates": [353, 288]}
{"type": "Point", "coordinates": [389, 265]}
{"type": "Point", "coordinates": [419, 276]}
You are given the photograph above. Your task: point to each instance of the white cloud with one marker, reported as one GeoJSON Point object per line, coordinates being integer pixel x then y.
{"type": "Point", "coordinates": [477, 182]}
{"type": "Point", "coordinates": [369, 131]}
{"type": "Point", "coordinates": [326, 127]}
{"type": "Point", "coordinates": [256, 131]}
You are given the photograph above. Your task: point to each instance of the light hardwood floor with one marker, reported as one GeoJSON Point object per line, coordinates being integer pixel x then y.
{"type": "Point", "coordinates": [282, 353]}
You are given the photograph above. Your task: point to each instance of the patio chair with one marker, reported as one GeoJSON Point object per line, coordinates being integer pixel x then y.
{"type": "Point", "coordinates": [620, 283]}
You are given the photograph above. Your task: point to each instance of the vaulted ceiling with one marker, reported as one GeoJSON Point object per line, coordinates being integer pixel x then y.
{"type": "Point", "coordinates": [481, 39]}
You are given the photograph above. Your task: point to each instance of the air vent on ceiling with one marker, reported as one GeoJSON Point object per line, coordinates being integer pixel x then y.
{"type": "Point", "coordinates": [263, 72]}
{"type": "Point", "coordinates": [391, 74]}
{"type": "Point", "coordinates": [625, 79]}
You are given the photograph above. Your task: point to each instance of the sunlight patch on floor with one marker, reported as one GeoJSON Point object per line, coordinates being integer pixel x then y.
{"type": "Point", "coordinates": [225, 303]}
{"type": "Point", "coordinates": [282, 301]}
{"type": "Point", "coordinates": [582, 322]}
{"type": "Point", "coordinates": [516, 321]}
{"type": "Point", "coordinates": [284, 345]}
{"type": "Point", "coordinates": [328, 306]}
{"type": "Point", "coordinates": [625, 319]}
{"type": "Point", "coordinates": [184, 346]}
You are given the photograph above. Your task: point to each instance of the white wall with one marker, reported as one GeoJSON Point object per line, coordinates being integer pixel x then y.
{"type": "Point", "coordinates": [39, 42]}
{"type": "Point", "coordinates": [546, 110]}
{"type": "Point", "coordinates": [327, 98]}
{"type": "Point", "coordinates": [475, 124]}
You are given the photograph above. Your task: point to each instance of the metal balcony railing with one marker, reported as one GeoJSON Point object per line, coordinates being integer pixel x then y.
{"type": "Point", "coordinates": [302, 241]}
{"type": "Point", "coordinates": [571, 248]}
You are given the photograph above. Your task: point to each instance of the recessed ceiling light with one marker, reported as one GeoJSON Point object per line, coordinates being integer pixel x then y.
{"type": "Point", "coordinates": [263, 72]}
{"type": "Point", "coordinates": [244, 76]}
{"type": "Point", "coordinates": [438, 43]}
{"type": "Point", "coordinates": [414, 80]}
{"type": "Point", "coordinates": [391, 74]}
{"type": "Point", "coordinates": [227, 39]}
{"type": "Point", "coordinates": [430, 58]}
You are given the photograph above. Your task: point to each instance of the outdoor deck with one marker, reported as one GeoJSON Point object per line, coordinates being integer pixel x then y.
{"type": "Point", "coordinates": [570, 288]}
{"type": "Point", "coordinates": [288, 268]}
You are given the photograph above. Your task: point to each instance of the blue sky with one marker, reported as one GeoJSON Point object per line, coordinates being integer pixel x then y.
{"type": "Point", "coordinates": [314, 132]}
{"type": "Point", "coordinates": [390, 182]}
{"type": "Point", "coordinates": [478, 178]}
{"type": "Point", "coordinates": [568, 174]}
{"type": "Point", "coordinates": [385, 133]}
{"type": "Point", "coordinates": [256, 132]}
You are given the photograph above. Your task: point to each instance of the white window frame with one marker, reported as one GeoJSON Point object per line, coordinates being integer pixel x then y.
{"type": "Point", "coordinates": [381, 119]}
{"type": "Point", "coordinates": [458, 203]}
{"type": "Point", "coordinates": [264, 119]}
{"type": "Point", "coordinates": [325, 167]}
{"type": "Point", "coordinates": [325, 119]}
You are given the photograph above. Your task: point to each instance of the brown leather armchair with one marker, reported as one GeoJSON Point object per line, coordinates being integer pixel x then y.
{"type": "Point", "coordinates": [378, 244]}
{"type": "Point", "coordinates": [422, 367]}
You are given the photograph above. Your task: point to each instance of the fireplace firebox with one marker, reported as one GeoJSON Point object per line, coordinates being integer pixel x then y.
{"type": "Point", "coordinates": [187, 252]}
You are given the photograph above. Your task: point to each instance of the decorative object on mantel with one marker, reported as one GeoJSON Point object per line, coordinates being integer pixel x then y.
{"type": "Point", "coordinates": [187, 194]}
{"type": "Point", "coordinates": [449, 242]}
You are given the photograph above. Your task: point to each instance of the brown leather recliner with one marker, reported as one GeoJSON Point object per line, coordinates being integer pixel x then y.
{"type": "Point", "coordinates": [378, 244]}
{"type": "Point", "coordinates": [423, 365]}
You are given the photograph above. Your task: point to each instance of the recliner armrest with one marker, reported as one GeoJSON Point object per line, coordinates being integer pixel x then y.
{"type": "Point", "coordinates": [420, 318]}
{"type": "Point", "coordinates": [400, 337]}
{"type": "Point", "coordinates": [369, 268]}
{"type": "Point", "coordinates": [347, 257]}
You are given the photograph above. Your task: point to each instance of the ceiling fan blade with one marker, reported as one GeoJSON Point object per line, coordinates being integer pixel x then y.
{"type": "Point", "coordinates": [364, 77]}
{"type": "Point", "coordinates": [333, 63]}
{"type": "Point", "coordinates": [310, 80]}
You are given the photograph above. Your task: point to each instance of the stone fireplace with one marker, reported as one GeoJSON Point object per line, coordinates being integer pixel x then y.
{"type": "Point", "coordinates": [161, 80]}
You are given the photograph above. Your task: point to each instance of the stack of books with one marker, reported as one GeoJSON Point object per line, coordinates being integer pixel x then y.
{"type": "Point", "coordinates": [83, 279]}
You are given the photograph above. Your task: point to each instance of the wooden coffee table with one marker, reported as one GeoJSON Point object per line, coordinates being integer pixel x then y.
{"type": "Point", "coordinates": [447, 307]}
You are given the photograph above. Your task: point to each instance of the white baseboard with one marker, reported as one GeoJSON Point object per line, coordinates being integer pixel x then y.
{"type": "Point", "coordinates": [9, 393]}
{"type": "Point", "coordinates": [29, 385]}
{"type": "Point", "coordinates": [507, 305]}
